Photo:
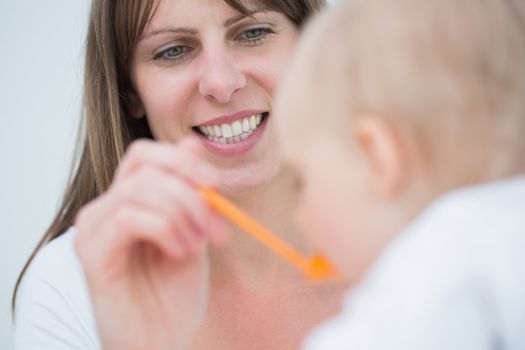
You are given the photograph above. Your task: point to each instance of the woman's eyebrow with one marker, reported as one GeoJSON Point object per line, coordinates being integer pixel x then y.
{"type": "Point", "coordinates": [181, 30]}
{"type": "Point", "coordinates": [240, 17]}
{"type": "Point", "coordinates": [185, 30]}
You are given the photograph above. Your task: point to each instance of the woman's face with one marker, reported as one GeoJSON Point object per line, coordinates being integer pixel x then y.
{"type": "Point", "coordinates": [204, 71]}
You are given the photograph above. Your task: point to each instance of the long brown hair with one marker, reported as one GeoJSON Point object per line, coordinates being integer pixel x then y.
{"type": "Point", "coordinates": [115, 26]}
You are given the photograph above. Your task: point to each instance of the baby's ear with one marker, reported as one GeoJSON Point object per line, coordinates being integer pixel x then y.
{"type": "Point", "coordinates": [134, 105]}
{"type": "Point", "coordinates": [380, 144]}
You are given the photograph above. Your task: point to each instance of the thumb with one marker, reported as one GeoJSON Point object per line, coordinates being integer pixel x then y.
{"type": "Point", "coordinates": [192, 146]}
{"type": "Point", "coordinates": [206, 173]}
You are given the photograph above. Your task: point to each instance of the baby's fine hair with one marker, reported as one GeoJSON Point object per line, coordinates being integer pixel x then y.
{"type": "Point", "coordinates": [449, 67]}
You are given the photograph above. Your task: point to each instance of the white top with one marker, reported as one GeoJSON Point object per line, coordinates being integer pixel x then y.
{"type": "Point", "coordinates": [53, 306]}
{"type": "Point", "coordinates": [454, 279]}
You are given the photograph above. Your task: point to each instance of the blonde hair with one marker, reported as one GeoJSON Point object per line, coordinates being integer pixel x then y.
{"type": "Point", "coordinates": [450, 68]}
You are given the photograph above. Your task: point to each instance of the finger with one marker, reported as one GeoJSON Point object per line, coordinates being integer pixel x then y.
{"type": "Point", "coordinates": [152, 190]}
{"type": "Point", "coordinates": [191, 146]}
{"type": "Point", "coordinates": [93, 213]}
{"type": "Point", "coordinates": [173, 159]}
{"type": "Point", "coordinates": [187, 235]}
{"type": "Point", "coordinates": [127, 227]}
{"type": "Point", "coordinates": [157, 191]}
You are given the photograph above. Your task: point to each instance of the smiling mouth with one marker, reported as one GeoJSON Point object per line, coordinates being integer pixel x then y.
{"type": "Point", "coordinates": [231, 133]}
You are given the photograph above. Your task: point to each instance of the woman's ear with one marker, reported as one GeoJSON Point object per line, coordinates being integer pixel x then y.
{"type": "Point", "coordinates": [134, 105]}
{"type": "Point", "coordinates": [379, 143]}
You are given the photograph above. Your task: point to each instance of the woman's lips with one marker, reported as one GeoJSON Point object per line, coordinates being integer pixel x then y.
{"type": "Point", "coordinates": [235, 138]}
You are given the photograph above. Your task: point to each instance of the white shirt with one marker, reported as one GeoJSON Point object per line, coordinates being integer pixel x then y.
{"type": "Point", "coordinates": [53, 307]}
{"type": "Point", "coordinates": [454, 279]}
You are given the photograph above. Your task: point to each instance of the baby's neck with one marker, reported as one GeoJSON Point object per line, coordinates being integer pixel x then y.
{"type": "Point", "coordinates": [428, 183]}
{"type": "Point", "coordinates": [483, 167]}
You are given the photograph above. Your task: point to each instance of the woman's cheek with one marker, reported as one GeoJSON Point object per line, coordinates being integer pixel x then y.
{"type": "Point", "coordinates": [165, 99]}
{"type": "Point", "coordinates": [268, 69]}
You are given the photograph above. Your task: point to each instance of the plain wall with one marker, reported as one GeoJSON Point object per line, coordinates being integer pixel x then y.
{"type": "Point", "coordinates": [41, 63]}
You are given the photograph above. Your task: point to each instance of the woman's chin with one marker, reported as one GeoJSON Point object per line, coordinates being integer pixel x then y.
{"type": "Point", "coordinates": [241, 182]}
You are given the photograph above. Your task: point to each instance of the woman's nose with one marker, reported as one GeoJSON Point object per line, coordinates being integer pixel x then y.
{"type": "Point", "coordinates": [220, 79]}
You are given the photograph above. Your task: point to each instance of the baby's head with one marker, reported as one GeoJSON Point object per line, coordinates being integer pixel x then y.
{"type": "Point", "coordinates": [391, 103]}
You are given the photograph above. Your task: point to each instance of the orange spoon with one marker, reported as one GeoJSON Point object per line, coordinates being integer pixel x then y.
{"type": "Point", "coordinates": [315, 268]}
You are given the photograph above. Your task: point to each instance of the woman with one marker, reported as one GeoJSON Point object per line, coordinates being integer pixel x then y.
{"type": "Point", "coordinates": [196, 76]}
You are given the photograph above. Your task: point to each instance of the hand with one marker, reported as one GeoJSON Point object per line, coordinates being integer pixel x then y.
{"type": "Point", "coordinates": [143, 247]}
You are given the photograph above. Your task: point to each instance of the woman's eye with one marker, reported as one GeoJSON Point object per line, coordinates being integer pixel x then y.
{"type": "Point", "coordinates": [255, 35]}
{"type": "Point", "coordinates": [173, 53]}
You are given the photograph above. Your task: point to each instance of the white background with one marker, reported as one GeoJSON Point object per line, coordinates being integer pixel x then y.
{"type": "Point", "coordinates": [41, 49]}
{"type": "Point", "coordinates": [41, 63]}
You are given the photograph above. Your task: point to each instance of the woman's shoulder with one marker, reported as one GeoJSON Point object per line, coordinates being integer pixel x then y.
{"type": "Point", "coordinates": [53, 305]}
{"type": "Point", "coordinates": [55, 265]}
{"type": "Point", "coordinates": [53, 255]}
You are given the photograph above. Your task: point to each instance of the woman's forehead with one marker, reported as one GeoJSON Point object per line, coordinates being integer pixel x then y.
{"type": "Point", "coordinates": [249, 5]}
{"type": "Point", "coordinates": [242, 6]}
{"type": "Point", "coordinates": [175, 12]}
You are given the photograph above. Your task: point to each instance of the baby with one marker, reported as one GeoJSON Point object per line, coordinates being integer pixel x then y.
{"type": "Point", "coordinates": [405, 120]}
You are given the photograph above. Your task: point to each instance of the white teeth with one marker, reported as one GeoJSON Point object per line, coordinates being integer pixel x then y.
{"type": "Point", "coordinates": [245, 125]}
{"type": "Point", "coordinates": [217, 130]}
{"type": "Point", "coordinates": [235, 132]}
{"type": "Point", "coordinates": [236, 128]}
{"type": "Point", "coordinates": [226, 131]}
{"type": "Point", "coordinates": [253, 122]}
{"type": "Point", "coordinates": [203, 130]}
